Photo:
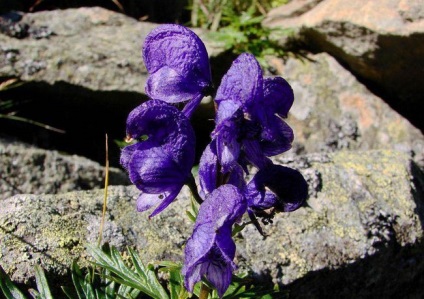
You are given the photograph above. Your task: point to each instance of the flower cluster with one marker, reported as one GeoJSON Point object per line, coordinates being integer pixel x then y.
{"type": "Point", "coordinates": [249, 129]}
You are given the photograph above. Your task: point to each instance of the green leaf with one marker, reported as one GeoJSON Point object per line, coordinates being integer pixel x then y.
{"type": "Point", "coordinates": [242, 287]}
{"type": "Point", "coordinates": [9, 290]}
{"type": "Point", "coordinates": [176, 279]}
{"type": "Point", "coordinates": [191, 216]}
{"type": "Point", "coordinates": [138, 277]}
{"type": "Point", "coordinates": [42, 285]}
{"type": "Point", "coordinates": [82, 284]}
{"type": "Point", "coordinates": [151, 278]}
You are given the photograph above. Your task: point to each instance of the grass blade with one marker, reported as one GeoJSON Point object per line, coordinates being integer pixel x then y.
{"type": "Point", "coordinates": [42, 284]}
{"type": "Point", "coordinates": [10, 291]}
{"type": "Point", "coordinates": [141, 279]}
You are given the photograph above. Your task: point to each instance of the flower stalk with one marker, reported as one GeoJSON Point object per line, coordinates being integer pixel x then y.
{"type": "Point", "coordinates": [191, 183]}
{"type": "Point", "coordinates": [204, 291]}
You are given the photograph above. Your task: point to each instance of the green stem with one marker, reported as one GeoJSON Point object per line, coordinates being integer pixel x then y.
{"type": "Point", "coordinates": [204, 291]}
{"type": "Point", "coordinates": [193, 188]}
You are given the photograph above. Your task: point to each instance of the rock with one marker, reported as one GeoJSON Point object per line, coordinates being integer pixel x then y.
{"type": "Point", "coordinates": [382, 42]}
{"type": "Point", "coordinates": [292, 9]}
{"type": "Point", "coordinates": [359, 237]}
{"type": "Point", "coordinates": [53, 230]}
{"type": "Point", "coordinates": [88, 47]}
{"type": "Point", "coordinates": [333, 111]}
{"type": "Point", "coordinates": [26, 169]}
{"type": "Point", "coordinates": [364, 216]}
{"type": "Point", "coordinates": [82, 72]}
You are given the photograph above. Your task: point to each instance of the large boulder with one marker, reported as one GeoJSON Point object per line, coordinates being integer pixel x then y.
{"type": "Point", "coordinates": [79, 70]}
{"type": "Point", "coordinates": [92, 48]}
{"type": "Point", "coordinates": [360, 234]}
{"type": "Point", "coordinates": [27, 169]}
{"type": "Point", "coordinates": [333, 111]}
{"type": "Point", "coordinates": [380, 41]}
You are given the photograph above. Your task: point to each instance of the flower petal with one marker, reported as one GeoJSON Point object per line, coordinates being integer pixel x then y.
{"type": "Point", "coordinates": [279, 186]}
{"type": "Point", "coordinates": [210, 250]}
{"type": "Point", "coordinates": [153, 170]}
{"type": "Point", "coordinates": [254, 153]}
{"type": "Point", "coordinates": [165, 126]}
{"type": "Point", "coordinates": [220, 276]}
{"type": "Point", "coordinates": [174, 47]}
{"type": "Point", "coordinates": [227, 146]}
{"type": "Point", "coordinates": [168, 198]}
{"type": "Point", "coordinates": [243, 83]}
{"type": "Point", "coordinates": [168, 85]}
{"type": "Point", "coordinates": [126, 155]}
{"type": "Point", "coordinates": [276, 137]}
{"type": "Point", "coordinates": [208, 171]}
{"type": "Point", "coordinates": [278, 96]}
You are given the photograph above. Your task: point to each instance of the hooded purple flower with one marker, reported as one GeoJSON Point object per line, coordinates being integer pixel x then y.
{"type": "Point", "coordinates": [209, 175]}
{"type": "Point", "coordinates": [160, 165]}
{"type": "Point", "coordinates": [278, 187]}
{"type": "Point", "coordinates": [178, 66]}
{"type": "Point", "coordinates": [249, 116]}
{"type": "Point", "coordinates": [210, 250]}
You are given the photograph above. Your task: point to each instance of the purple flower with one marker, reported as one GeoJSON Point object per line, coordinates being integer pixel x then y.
{"type": "Point", "coordinates": [160, 165]}
{"type": "Point", "coordinates": [209, 174]}
{"type": "Point", "coordinates": [210, 250]}
{"type": "Point", "coordinates": [278, 187]}
{"type": "Point", "coordinates": [178, 66]}
{"type": "Point", "coordinates": [249, 116]}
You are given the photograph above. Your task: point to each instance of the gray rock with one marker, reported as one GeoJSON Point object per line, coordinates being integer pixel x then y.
{"type": "Point", "coordinates": [27, 169]}
{"type": "Point", "coordinates": [380, 41]}
{"type": "Point", "coordinates": [53, 230]}
{"type": "Point", "coordinates": [333, 111]}
{"type": "Point", "coordinates": [362, 227]}
{"type": "Point", "coordinates": [88, 47]}
{"type": "Point", "coordinates": [82, 72]}
{"type": "Point", "coordinates": [360, 236]}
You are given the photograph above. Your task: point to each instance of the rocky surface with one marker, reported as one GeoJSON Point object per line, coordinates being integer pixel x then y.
{"type": "Point", "coordinates": [382, 42]}
{"type": "Point", "coordinates": [81, 71]}
{"type": "Point", "coordinates": [333, 111]}
{"type": "Point", "coordinates": [26, 169]}
{"type": "Point", "coordinates": [365, 216]}
{"type": "Point", "coordinates": [93, 48]}
{"type": "Point", "coordinates": [360, 234]}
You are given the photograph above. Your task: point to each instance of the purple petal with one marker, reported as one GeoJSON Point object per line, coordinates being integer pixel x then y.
{"type": "Point", "coordinates": [254, 153]}
{"type": "Point", "coordinates": [236, 177]}
{"type": "Point", "coordinates": [257, 196]}
{"type": "Point", "coordinates": [243, 83]}
{"type": "Point", "coordinates": [224, 202]}
{"type": "Point", "coordinates": [228, 110]}
{"type": "Point", "coordinates": [227, 146]}
{"type": "Point", "coordinates": [167, 200]}
{"type": "Point", "coordinates": [278, 96]}
{"type": "Point", "coordinates": [208, 171]}
{"type": "Point", "coordinates": [217, 213]}
{"type": "Point", "coordinates": [276, 137]}
{"type": "Point", "coordinates": [168, 85]}
{"type": "Point", "coordinates": [153, 170]}
{"type": "Point", "coordinates": [193, 275]}
{"type": "Point", "coordinates": [220, 276]}
{"type": "Point", "coordinates": [126, 155]}
{"type": "Point", "coordinates": [282, 187]}
{"type": "Point", "coordinates": [210, 250]}
{"type": "Point", "coordinates": [164, 125]}
{"type": "Point", "coordinates": [192, 105]}
{"type": "Point", "coordinates": [176, 51]}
